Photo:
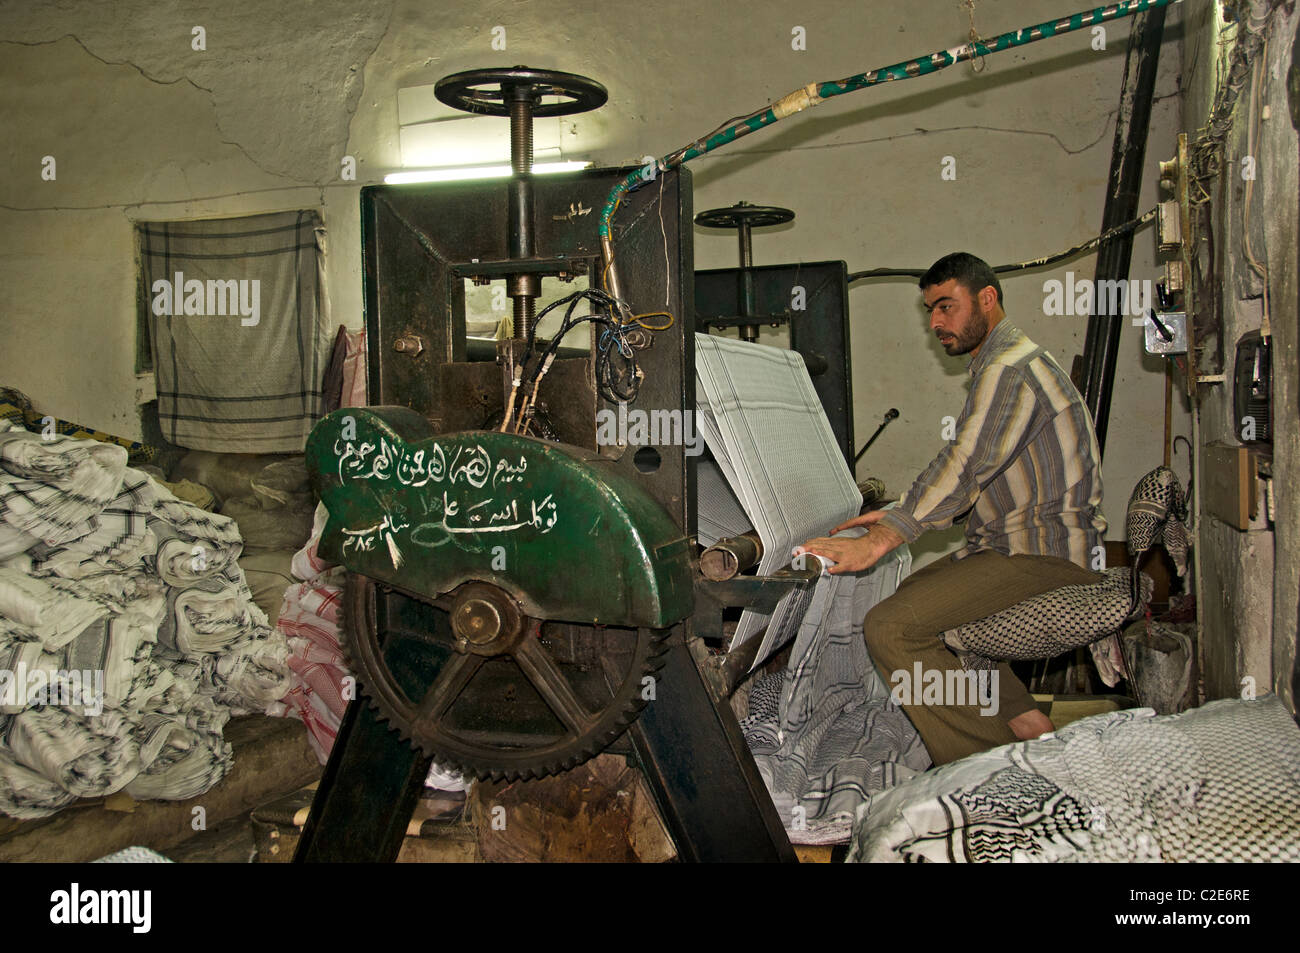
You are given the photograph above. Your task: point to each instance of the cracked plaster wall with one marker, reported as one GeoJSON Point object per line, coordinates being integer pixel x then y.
{"type": "Point", "coordinates": [1251, 579]}
{"type": "Point", "coordinates": [281, 94]}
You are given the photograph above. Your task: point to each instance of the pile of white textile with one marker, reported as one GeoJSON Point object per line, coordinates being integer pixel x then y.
{"type": "Point", "coordinates": [128, 635]}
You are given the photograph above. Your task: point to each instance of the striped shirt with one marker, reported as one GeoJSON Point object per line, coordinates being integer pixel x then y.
{"type": "Point", "coordinates": [1022, 469]}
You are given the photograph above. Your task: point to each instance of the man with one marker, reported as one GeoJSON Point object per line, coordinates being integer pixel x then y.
{"type": "Point", "coordinates": [1022, 472]}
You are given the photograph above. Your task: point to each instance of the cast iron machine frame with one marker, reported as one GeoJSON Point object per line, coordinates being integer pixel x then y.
{"type": "Point", "coordinates": [416, 620]}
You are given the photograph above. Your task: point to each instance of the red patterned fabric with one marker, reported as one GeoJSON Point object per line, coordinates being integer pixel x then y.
{"type": "Point", "coordinates": [309, 619]}
{"type": "Point", "coordinates": [354, 371]}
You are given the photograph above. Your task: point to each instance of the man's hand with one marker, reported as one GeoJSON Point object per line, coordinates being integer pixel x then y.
{"type": "Point", "coordinates": [854, 554]}
{"type": "Point", "coordinates": [866, 519]}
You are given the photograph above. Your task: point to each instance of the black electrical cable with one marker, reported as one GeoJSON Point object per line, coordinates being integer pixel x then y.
{"type": "Point", "coordinates": [597, 297]}
{"type": "Point", "coordinates": [607, 376]}
{"type": "Point", "coordinates": [606, 381]}
{"type": "Point", "coordinates": [571, 300]}
{"type": "Point", "coordinates": [1018, 266]}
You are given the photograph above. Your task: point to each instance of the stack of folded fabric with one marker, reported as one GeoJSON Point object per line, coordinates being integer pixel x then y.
{"type": "Point", "coordinates": [128, 636]}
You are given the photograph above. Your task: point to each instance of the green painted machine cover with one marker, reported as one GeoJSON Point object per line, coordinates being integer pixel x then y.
{"type": "Point", "coordinates": [556, 526]}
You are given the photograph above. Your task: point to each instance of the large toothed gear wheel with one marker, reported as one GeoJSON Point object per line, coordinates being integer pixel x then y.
{"type": "Point", "coordinates": [457, 545]}
{"type": "Point", "coordinates": [480, 686]}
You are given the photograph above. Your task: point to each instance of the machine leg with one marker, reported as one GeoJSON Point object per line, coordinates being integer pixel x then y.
{"type": "Point", "coordinates": [366, 795]}
{"type": "Point", "coordinates": [373, 778]}
{"type": "Point", "coordinates": [700, 771]}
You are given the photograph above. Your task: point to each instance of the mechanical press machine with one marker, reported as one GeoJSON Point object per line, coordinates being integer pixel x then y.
{"type": "Point", "coordinates": [521, 597]}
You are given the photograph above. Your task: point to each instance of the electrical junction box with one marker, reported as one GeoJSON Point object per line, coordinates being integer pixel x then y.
{"type": "Point", "coordinates": [1175, 322]}
{"type": "Point", "coordinates": [1169, 225]}
{"type": "Point", "coordinates": [1229, 491]}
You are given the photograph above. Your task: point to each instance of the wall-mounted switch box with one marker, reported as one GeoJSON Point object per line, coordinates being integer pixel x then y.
{"type": "Point", "coordinates": [1174, 279]}
{"type": "Point", "coordinates": [1173, 323]}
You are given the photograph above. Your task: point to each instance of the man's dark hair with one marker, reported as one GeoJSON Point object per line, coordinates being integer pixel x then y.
{"type": "Point", "coordinates": [974, 274]}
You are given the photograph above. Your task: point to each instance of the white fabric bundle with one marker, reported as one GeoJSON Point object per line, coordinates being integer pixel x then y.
{"type": "Point", "coordinates": [183, 562]}
{"type": "Point", "coordinates": [118, 586]}
{"type": "Point", "coordinates": [119, 540]}
{"type": "Point", "coordinates": [193, 544]}
{"type": "Point", "coordinates": [32, 606]}
{"type": "Point", "coordinates": [87, 757]}
{"type": "Point", "coordinates": [55, 487]}
{"type": "Point", "coordinates": [208, 619]}
{"type": "Point", "coordinates": [27, 794]}
{"type": "Point", "coordinates": [183, 762]}
{"type": "Point", "coordinates": [18, 661]}
{"type": "Point", "coordinates": [169, 684]}
{"type": "Point", "coordinates": [247, 676]}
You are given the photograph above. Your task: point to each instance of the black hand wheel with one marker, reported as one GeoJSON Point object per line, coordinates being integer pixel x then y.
{"type": "Point", "coordinates": [489, 91]}
{"type": "Point", "coordinates": [742, 214]}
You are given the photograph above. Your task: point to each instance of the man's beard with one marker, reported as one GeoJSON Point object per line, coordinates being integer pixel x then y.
{"type": "Point", "coordinates": [976, 330]}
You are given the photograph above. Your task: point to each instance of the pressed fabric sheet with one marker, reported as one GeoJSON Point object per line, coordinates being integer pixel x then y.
{"type": "Point", "coordinates": [824, 732]}
{"type": "Point", "coordinates": [766, 428]}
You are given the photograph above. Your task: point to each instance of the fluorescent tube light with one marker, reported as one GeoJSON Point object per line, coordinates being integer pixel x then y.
{"type": "Point", "coordinates": [480, 172]}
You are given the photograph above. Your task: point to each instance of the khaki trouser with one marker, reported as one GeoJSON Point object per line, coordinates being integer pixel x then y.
{"type": "Point", "coordinates": [905, 629]}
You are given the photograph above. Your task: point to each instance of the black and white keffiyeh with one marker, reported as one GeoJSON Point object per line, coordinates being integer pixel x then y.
{"type": "Point", "coordinates": [1217, 783]}
{"type": "Point", "coordinates": [1072, 616]}
{"type": "Point", "coordinates": [825, 732]}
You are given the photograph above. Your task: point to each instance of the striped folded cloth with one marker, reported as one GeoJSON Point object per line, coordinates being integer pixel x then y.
{"type": "Point", "coordinates": [33, 608]}
{"type": "Point", "coordinates": [249, 676]}
{"type": "Point", "coordinates": [168, 684]}
{"type": "Point", "coordinates": [184, 561]}
{"type": "Point", "coordinates": [120, 648]}
{"type": "Point", "coordinates": [87, 757]}
{"type": "Point", "coordinates": [181, 761]}
{"type": "Point", "coordinates": [27, 794]}
{"type": "Point", "coordinates": [18, 661]}
{"type": "Point", "coordinates": [52, 490]}
{"type": "Point", "coordinates": [210, 615]}
{"type": "Point", "coordinates": [119, 539]}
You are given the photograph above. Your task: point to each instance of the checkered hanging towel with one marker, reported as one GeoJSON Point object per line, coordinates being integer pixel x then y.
{"type": "Point", "coordinates": [235, 311]}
